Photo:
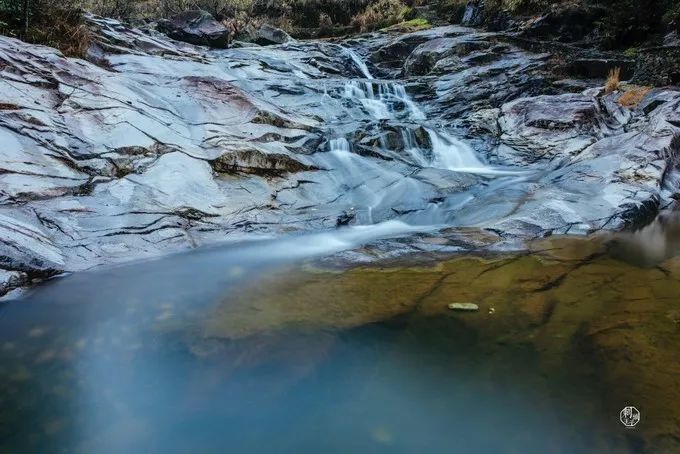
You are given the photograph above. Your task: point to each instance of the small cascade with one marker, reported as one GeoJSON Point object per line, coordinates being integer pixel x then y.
{"type": "Point", "coordinates": [411, 147]}
{"type": "Point", "coordinates": [452, 154]}
{"type": "Point", "coordinates": [359, 63]}
{"type": "Point", "coordinates": [383, 100]}
{"type": "Point", "coordinates": [374, 191]}
{"type": "Point", "coordinates": [341, 149]}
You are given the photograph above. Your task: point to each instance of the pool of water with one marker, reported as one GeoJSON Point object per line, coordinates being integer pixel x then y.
{"type": "Point", "coordinates": [215, 352]}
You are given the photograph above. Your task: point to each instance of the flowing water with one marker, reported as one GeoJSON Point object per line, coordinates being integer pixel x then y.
{"type": "Point", "coordinates": [388, 101]}
{"type": "Point", "coordinates": [265, 347]}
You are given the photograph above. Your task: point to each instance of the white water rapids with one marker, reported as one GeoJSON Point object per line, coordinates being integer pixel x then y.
{"type": "Point", "coordinates": [387, 102]}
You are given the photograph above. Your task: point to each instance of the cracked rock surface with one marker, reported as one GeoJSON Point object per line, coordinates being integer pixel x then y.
{"type": "Point", "coordinates": [153, 146]}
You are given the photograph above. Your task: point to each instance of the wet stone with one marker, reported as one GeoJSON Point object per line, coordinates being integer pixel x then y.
{"type": "Point", "coordinates": [464, 307]}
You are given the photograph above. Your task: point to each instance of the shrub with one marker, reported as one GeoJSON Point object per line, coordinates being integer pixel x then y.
{"type": "Point", "coordinates": [672, 17]}
{"type": "Point", "coordinates": [381, 14]}
{"type": "Point", "coordinates": [59, 25]}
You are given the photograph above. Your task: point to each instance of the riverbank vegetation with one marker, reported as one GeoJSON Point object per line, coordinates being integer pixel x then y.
{"type": "Point", "coordinates": [608, 24]}
{"type": "Point", "coordinates": [61, 25]}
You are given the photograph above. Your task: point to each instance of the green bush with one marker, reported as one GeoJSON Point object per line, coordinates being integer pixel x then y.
{"type": "Point", "coordinates": [672, 17]}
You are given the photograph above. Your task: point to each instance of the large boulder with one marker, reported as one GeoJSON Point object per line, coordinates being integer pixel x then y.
{"type": "Point", "coordinates": [196, 27]}
{"type": "Point", "coordinates": [550, 125]}
{"type": "Point", "coordinates": [267, 34]}
{"type": "Point", "coordinates": [436, 55]}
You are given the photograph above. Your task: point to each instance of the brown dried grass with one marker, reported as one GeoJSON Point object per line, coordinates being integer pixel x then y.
{"type": "Point", "coordinates": [633, 95]}
{"type": "Point", "coordinates": [613, 81]}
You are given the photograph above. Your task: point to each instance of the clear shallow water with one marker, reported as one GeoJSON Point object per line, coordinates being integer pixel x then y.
{"type": "Point", "coordinates": [125, 385]}
{"type": "Point", "coordinates": [234, 350]}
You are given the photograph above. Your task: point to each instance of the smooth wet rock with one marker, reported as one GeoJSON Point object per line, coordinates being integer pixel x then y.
{"type": "Point", "coordinates": [547, 124]}
{"type": "Point", "coordinates": [439, 52]}
{"type": "Point", "coordinates": [196, 27]}
{"type": "Point", "coordinates": [396, 50]}
{"type": "Point", "coordinates": [10, 280]}
{"type": "Point", "coordinates": [155, 146]}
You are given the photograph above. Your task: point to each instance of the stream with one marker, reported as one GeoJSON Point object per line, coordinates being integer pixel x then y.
{"type": "Point", "coordinates": [336, 198]}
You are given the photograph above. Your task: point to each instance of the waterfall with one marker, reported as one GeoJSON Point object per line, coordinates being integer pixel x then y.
{"type": "Point", "coordinates": [359, 63]}
{"type": "Point", "coordinates": [383, 100]}
{"type": "Point", "coordinates": [374, 190]}
{"type": "Point", "coordinates": [452, 154]}
{"type": "Point", "coordinates": [340, 148]}
{"type": "Point", "coordinates": [411, 147]}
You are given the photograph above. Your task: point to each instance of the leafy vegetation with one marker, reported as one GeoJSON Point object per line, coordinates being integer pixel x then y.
{"type": "Point", "coordinates": [409, 25]}
{"type": "Point", "coordinates": [623, 22]}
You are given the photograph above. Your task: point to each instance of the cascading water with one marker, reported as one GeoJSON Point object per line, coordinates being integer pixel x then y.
{"type": "Point", "coordinates": [383, 100]}
{"type": "Point", "coordinates": [387, 104]}
{"type": "Point", "coordinates": [359, 63]}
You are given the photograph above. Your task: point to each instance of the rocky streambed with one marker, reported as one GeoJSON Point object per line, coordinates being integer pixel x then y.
{"type": "Point", "coordinates": [153, 146]}
{"type": "Point", "coordinates": [352, 192]}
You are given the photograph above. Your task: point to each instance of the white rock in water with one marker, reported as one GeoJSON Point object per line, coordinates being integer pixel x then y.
{"type": "Point", "coordinates": [463, 307]}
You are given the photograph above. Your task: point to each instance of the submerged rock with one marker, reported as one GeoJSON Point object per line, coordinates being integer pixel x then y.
{"type": "Point", "coordinates": [9, 280]}
{"type": "Point", "coordinates": [466, 307]}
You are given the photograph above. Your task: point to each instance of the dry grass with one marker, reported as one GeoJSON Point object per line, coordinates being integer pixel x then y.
{"type": "Point", "coordinates": [633, 95]}
{"type": "Point", "coordinates": [8, 106]}
{"type": "Point", "coordinates": [381, 14]}
{"type": "Point", "coordinates": [52, 23]}
{"type": "Point", "coordinates": [72, 40]}
{"type": "Point", "coordinates": [613, 80]}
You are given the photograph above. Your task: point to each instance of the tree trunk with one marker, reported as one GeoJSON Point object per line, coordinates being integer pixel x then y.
{"type": "Point", "coordinates": [25, 24]}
